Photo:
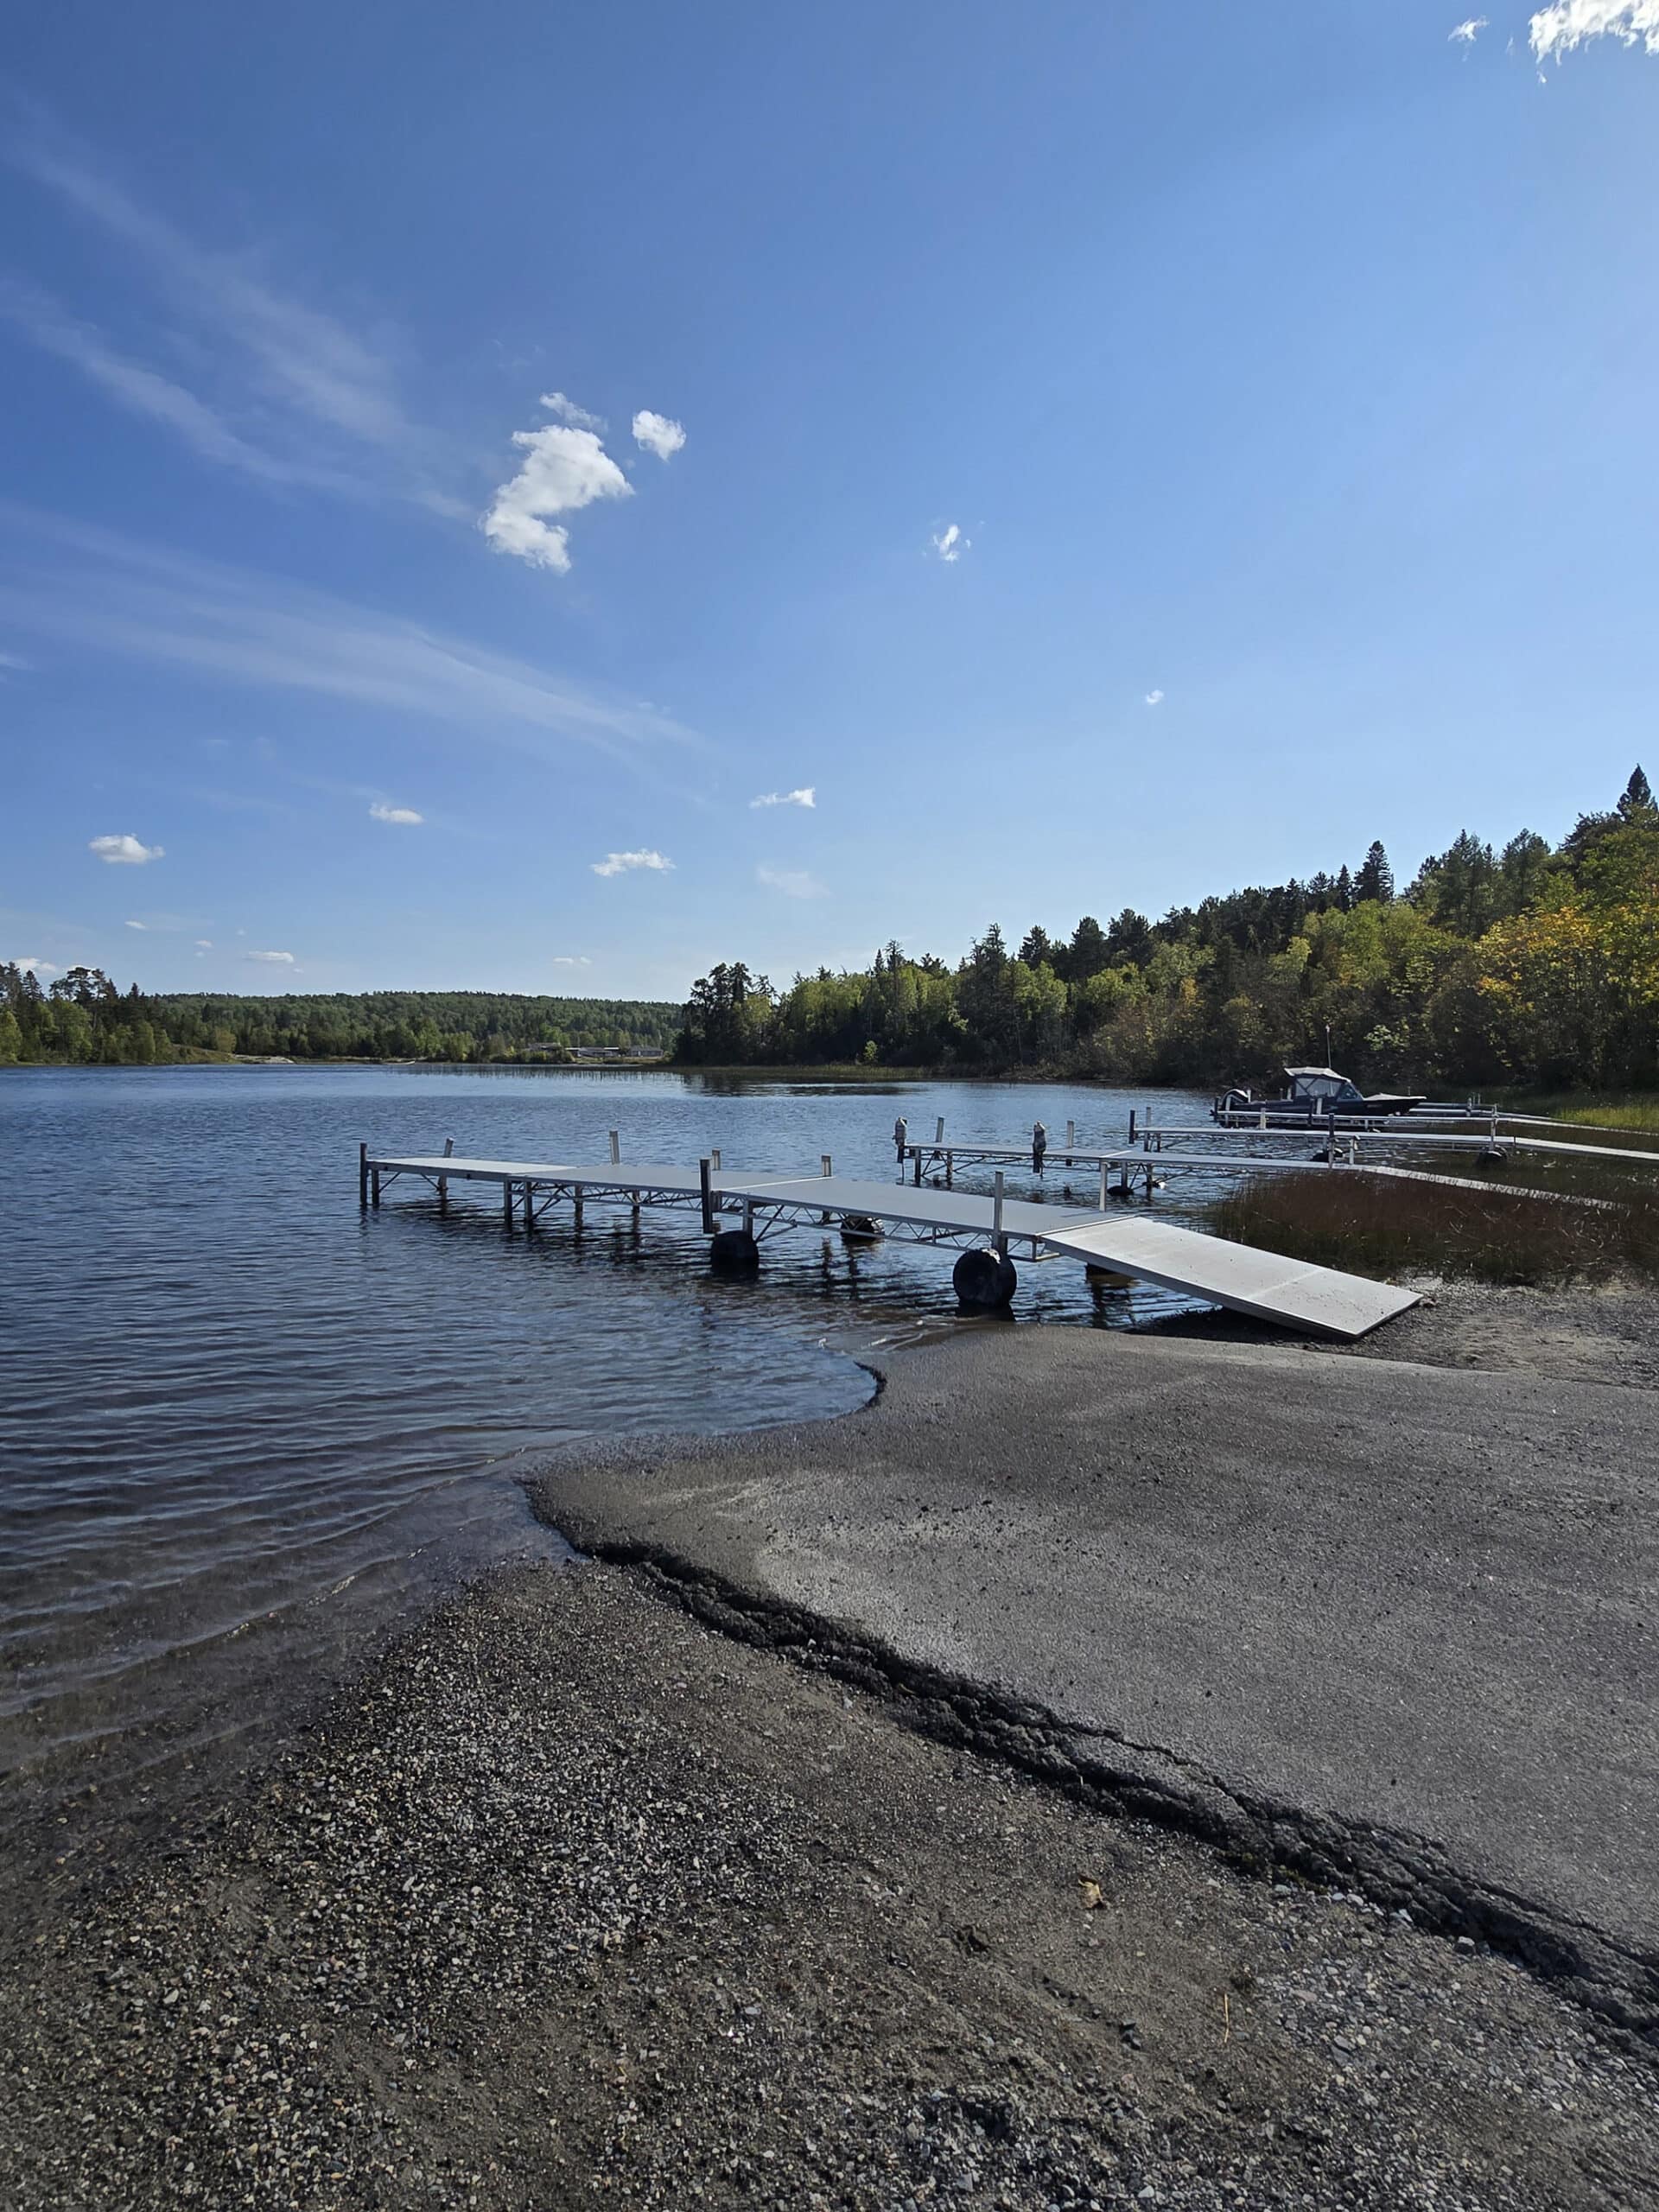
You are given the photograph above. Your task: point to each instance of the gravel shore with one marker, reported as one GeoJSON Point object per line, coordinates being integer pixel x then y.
{"type": "Point", "coordinates": [573, 1901]}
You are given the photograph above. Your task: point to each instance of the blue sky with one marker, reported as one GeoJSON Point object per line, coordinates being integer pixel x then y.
{"type": "Point", "coordinates": [1099, 453]}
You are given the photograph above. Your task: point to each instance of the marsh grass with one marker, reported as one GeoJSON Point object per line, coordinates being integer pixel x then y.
{"type": "Point", "coordinates": [1380, 1225]}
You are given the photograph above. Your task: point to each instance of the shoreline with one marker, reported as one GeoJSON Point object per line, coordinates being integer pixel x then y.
{"type": "Point", "coordinates": [591, 1889]}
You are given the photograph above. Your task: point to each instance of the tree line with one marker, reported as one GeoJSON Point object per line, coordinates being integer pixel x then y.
{"type": "Point", "coordinates": [81, 1018]}
{"type": "Point", "coordinates": [1531, 964]}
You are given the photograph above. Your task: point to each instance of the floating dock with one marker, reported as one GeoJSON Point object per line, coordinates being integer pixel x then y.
{"type": "Point", "coordinates": [750, 1206]}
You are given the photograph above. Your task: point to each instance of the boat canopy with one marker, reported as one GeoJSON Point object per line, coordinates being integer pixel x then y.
{"type": "Point", "coordinates": [1320, 1083]}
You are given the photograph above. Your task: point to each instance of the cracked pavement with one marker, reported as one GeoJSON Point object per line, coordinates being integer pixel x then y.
{"type": "Point", "coordinates": [1378, 1620]}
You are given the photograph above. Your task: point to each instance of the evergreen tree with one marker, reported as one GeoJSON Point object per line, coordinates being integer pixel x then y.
{"type": "Point", "coordinates": [1638, 796]}
{"type": "Point", "coordinates": [1375, 878]}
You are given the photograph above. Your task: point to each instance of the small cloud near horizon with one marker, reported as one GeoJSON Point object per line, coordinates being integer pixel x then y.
{"type": "Point", "coordinates": [658, 434]}
{"type": "Point", "coordinates": [272, 959]}
{"type": "Point", "coordinates": [35, 966]}
{"type": "Point", "coordinates": [950, 543]}
{"type": "Point", "coordinates": [124, 852]}
{"type": "Point", "coordinates": [379, 812]}
{"type": "Point", "coordinates": [806, 795]}
{"type": "Point", "coordinates": [794, 883]}
{"type": "Point", "coordinates": [137, 925]}
{"type": "Point", "coordinates": [625, 863]}
{"type": "Point", "coordinates": [204, 944]}
{"type": "Point", "coordinates": [571, 960]}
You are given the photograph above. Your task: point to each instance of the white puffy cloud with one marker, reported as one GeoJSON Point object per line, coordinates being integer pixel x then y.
{"type": "Point", "coordinates": [1467, 33]}
{"type": "Point", "coordinates": [204, 944]}
{"type": "Point", "coordinates": [1155, 698]}
{"type": "Point", "coordinates": [658, 434]}
{"type": "Point", "coordinates": [563, 469]}
{"type": "Point", "coordinates": [793, 882]}
{"type": "Point", "coordinates": [950, 543]}
{"type": "Point", "coordinates": [124, 852]}
{"type": "Point", "coordinates": [622, 863]}
{"type": "Point", "coordinates": [1570, 23]}
{"type": "Point", "coordinates": [34, 966]}
{"type": "Point", "coordinates": [807, 795]}
{"type": "Point", "coordinates": [273, 959]}
{"type": "Point", "coordinates": [407, 814]}
{"type": "Point", "coordinates": [567, 412]}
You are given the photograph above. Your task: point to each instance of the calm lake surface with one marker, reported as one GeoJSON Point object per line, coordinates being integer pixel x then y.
{"type": "Point", "coordinates": [245, 1427]}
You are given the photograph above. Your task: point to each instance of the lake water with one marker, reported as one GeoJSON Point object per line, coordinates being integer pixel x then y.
{"type": "Point", "coordinates": [246, 1427]}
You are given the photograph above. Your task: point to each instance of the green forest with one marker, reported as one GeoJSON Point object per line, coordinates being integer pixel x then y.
{"type": "Point", "coordinates": [81, 1019]}
{"type": "Point", "coordinates": [1532, 965]}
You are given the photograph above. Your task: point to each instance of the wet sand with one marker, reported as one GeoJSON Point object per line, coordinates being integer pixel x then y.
{"type": "Point", "coordinates": [576, 1899]}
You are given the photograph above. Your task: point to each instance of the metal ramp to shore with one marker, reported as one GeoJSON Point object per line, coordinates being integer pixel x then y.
{"type": "Point", "coordinates": [1263, 1284]}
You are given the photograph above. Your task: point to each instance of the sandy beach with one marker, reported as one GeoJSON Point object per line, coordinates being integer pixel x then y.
{"type": "Point", "coordinates": [654, 1881]}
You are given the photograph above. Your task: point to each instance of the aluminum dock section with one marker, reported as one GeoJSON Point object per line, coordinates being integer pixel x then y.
{"type": "Point", "coordinates": [1263, 1284]}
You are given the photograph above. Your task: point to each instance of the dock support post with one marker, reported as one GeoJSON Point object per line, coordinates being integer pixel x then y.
{"type": "Point", "coordinates": [576, 1210]}
{"type": "Point", "coordinates": [824, 1164]}
{"type": "Point", "coordinates": [998, 1238]}
{"type": "Point", "coordinates": [1131, 1125]}
{"type": "Point", "coordinates": [1071, 1141]}
{"type": "Point", "coordinates": [708, 1198]}
{"type": "Point", "coordinates": [918, 1167]}
{"type": "Point", "coordinates": [374, 1186]}
{"type": "Point", "coordinates": [362, 1174]}
{"type": "Point", "coordinates": [1105, 1170]}
{"type": "Point", "coordinates": [507, 1204]}
{"type": "Point", "coordinates": [714, 1159]}
{"type": "Point", "coordinates": [950, 1172]}
{"type": "Point", "coordinates": [616, 1149]}
{"type": "Point", "coordinates": [443, 1181]}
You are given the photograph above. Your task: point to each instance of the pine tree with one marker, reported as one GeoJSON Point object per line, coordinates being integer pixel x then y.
{"type": "Point", "coordinates": [1638, 795]}
{"type": "Point", "coordinates": [1375, 878]}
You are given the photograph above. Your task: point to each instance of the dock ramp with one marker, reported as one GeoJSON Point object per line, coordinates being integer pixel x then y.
{"type": "Point", "coordinates": [1264, 1285]}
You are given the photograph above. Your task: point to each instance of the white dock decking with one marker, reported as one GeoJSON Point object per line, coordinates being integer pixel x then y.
{"type": "Point", "coordinates": [1263, 1284]}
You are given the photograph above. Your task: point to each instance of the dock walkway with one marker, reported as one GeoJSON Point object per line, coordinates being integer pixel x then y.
{"type": "Point", "coordinates": [1263, 1284]}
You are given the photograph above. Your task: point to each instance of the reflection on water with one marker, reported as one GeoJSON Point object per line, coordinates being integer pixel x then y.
{"type": "Point", "coordinates": [244, 1425]}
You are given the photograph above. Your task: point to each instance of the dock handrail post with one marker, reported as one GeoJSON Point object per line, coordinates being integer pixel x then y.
{"type": "Point", "coordinates": [1071, 1138]}
{"type": "Point", "coordinates": [362, 1174]}
{"type": "Point", "coordinates": [708, 1198]}
{"type": "Point", "coordinates": [1131, 1125]}
{"type": "Point", "coordinates": [616, 1147]}
{"type": "Point", "coordinates": [998, 1238]}
{"type": "Point", "coordinates": [714, 1158]}
{"type": "Point", "coordinates": [1105, 1170]}
{"type": "Point", "coordinates": [919, 1166]}
{"type": "Point", "coordinates": [938, 1130]}
{"type": "Point", "coordinates": [1330, 1135]}
{"type": "Point", "coordinates": [824, 1164]}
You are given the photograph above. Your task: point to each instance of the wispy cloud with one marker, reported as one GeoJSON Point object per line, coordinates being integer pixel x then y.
{"type": "Point", "coordinates": [1155, 698]}
{"type": "Point", "coordinates": [16, 662]}
{"type": "Point", "coordinates": [658, 434]}
{"type": "Point", "coordinates": [272, 959]}
{"type": "Point", "coordinates": [400, 814]}
{"type": "Point", "coordinates": [625, 863]}
{"type": "Point", "coordinates": [97, 589]}
{"type": "Point", "coordinates": [204, 944]}
{"type": "Point", "coordinates": [950, 543]}
{"type": "Point", "coordinates": [1557, 30]}
{"type": "Point", "coordinates": [570, 960]}
{"type": "Point", "coordinates": [146, 391]}
{"type": "Point", "coordinates": [563, 470]}
{"type": "Point", "coordinates": [807, 795]}
{"type": "Point", "coordinates": [137, 925]}
{"type": "Point", "coordinates": [794, 883]}
{"type": "Point", "coordinates": [1467, 33]}
{"type": "Point", "coordinates": [291, 394]}
{"type": "Point", "coordinates": [124, 852]}
{"type": "Point", "coordinates": [567, 410]}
